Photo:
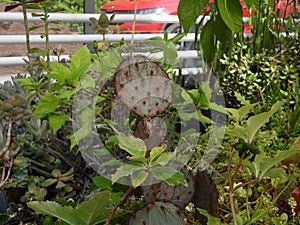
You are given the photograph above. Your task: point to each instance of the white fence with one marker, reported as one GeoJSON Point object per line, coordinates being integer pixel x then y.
{"type": "Point", "coordinates": [78, 38]}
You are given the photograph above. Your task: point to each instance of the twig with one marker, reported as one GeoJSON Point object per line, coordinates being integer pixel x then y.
{"type": "Point", "coordinates": [8, 139]}
{"type": "Point", "coordinates": [5, 175]}
{"type": "Point", "coordinates": [112, 212]}
{"type": "Point", "coordinates": [134, 21]}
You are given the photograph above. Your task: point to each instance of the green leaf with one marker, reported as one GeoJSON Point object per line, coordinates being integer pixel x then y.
{"type": "Point", "coordinates": [254, 123]}
{"type": "Point", "coordinates": [178, 178]}
{"type": "Point", "coordinates": [268, 163]}
{"type": "Point", "coordinates": [156, 152]}
{"type": "Point", "coordinates": [59, 72]}
{"type": "Point", "coordinates": [102, 182]}
{"type": "Point", "coordinates": [90, 212]}
{"type": "Point", "coordinates": [188, 12]}
{"type": "Point", "coordinates": [212, 220]}
{"type": "Point", "coordinates": [208, 41]}
{"type": "Point", "coordinates": [223, 33]}
{"type": "Point", "coordinates": [134, 146]}
{"type": "Point", "coordinates": [47, 104]}
{"type": "Point", "coordinates": [138, 177]}
{"type": "Point", "coordinates": [48, 182]}
{"type": "Point", "coordinates": [124, 171]}
{"type": "Point", "coordinates": [252, 3]}
{"type": "Point", "coordinates": [275, 173]}
{"type": "Point", "coordinates": [257, 215]}
{"type": "Point", "coordinates": [231, 13]}
{"type": "Point", "coordinates": [57, 121]}
{"type": "Point", "coordinates": [79, 63]}
{"type": "Point", "coordinates": [167, 174]}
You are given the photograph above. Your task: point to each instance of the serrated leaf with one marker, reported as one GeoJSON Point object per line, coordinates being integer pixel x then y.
{"type": "Point", "coordinates": [59, 72]}
{"type": "Point", "coordinates": [90, 212]}
{"type": "Point", "coordinates": [47, 104]}
{"type": "Point", "coordinates": [134, 146]}
{"type": "Point", "coordinates": [79, 63]}
{"type": "Point", "coordinates": [57, 121]}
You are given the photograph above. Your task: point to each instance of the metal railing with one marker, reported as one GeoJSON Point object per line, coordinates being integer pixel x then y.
{"type": "Point", "coordinates": [85, 38]}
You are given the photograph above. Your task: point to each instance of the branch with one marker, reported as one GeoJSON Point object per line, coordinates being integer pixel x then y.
{"type": "Point", "coordinates": [130, 189]}
{"type": "Point", "coordinates": [8, 139]}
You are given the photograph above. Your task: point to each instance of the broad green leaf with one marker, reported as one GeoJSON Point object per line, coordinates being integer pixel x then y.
{"type": "Point", "coordinates": [124, 171]}
{"type": "Point", "coordinates": [208, 41]}
{"type": "Point", "coordinates": [231, 13]}
{"type": "Point", "coordinates": [138, 177]}
{"type": "Point", "coordinates": [29, 83]}
{"type": "Point", "coordinates": [47, 104]}
{"type": "Point", "coordinates": [90, 212]}
{"type": "Point", "coordinates": [102, 182]}
{"type": "Point", "coordinates": [189, 11]}
{"type": "Point", "coordinates": [56, 210]}
{"type": "Point", "coordinates": [163, 159]}
{"type": "Point", "coordinates": [57, 121]}
{"type": "Point", "coordinates": [165, 172]}
{"type": "Point", "coordinates": [275, 173]}
{"type": "Point", "coordinates": [156, 152]}
{"type": "Point", "coordinates": [59, 72]}
{"type": "Point", "coordinates": [134, 146]}
{"type": "Point", "coordinates": [223, 33]}
{"type": "Point", "coordinates": [95, 209]}
{"type": "Point", "coordinates": [268, 163]}
{"type": "Point", "coordinates": [79, 63]}
{"type": "Point", "coordinates": [177, 178]}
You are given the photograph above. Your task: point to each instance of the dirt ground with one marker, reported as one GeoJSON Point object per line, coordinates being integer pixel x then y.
{"type": "Point", "coordinates": [10, 28]}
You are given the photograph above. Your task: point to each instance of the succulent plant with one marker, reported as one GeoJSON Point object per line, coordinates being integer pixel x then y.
{"type": "Point", "coordinates": [143, 86]}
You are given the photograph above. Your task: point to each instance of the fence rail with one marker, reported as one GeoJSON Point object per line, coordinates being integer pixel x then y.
{"type": "Point", "coordinates": [83, 38]}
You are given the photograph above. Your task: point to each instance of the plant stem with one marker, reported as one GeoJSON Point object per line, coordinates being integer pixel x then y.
{"type": "Point", "coordinates": [25, 20]}
{"type": "Point", "coordinates": [130, 189]}
{"type": "Point", "coordinates": [8, 139]}
{"type": "Point", "coordinates": [134, 21]}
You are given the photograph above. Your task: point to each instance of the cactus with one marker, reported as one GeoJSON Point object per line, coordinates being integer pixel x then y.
{"type": "Point", "coordinates": [143, 86]}
{"type": "Point", "coordinates": [158, 213]}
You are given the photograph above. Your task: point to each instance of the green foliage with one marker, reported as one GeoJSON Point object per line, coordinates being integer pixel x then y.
{"type": "Point", "coordinates": [248, 131]}
{"type": "Point", "coordinates": [90, 212]}
{"type": "Point", "coordinates": [139, 168]}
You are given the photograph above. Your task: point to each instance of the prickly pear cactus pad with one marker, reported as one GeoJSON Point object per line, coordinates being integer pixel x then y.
{"type": "Point", "coordinates": [158, 213]}
{"type": "Point", "coordinates": [143, 86]}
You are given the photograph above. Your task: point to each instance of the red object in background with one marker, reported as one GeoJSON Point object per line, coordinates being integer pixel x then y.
{"type": "Point", "coordinates": [169, 7]}
{"type": "Point", "coordinates": [296, 196]}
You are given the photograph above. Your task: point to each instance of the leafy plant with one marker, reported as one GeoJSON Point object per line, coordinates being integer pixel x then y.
{"type": "Point", "coordinates": [92, 211]}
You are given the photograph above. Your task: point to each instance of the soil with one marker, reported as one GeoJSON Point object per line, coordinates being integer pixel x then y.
{"type": "Point", "coordinates": [17, 28]}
